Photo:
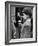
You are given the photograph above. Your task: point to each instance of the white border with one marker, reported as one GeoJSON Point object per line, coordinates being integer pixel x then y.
{"type": "Point", "coordinates": [34, 32]}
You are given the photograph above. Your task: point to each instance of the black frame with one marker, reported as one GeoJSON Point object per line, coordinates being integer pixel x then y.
{"type": "Point", "coordinates": [6, 29]}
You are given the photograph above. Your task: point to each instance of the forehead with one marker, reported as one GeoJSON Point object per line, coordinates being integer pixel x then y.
{"type": "Point", "coordinates": [25, 14]}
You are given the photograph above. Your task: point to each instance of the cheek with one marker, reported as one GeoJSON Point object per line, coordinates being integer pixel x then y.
{"type": "Point", "coordinates": [25, 16]}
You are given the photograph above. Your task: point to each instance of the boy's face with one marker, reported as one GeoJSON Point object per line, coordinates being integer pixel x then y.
{"type": "Point", "coordinates": [25, 16]}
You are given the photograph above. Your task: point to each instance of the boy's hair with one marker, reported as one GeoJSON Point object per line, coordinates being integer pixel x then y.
{"type": "Point", "coordinates": [27, 11]}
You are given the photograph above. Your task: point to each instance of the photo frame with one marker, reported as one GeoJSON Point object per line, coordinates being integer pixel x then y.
{"type": "Point", "coordinates": [20, 22]}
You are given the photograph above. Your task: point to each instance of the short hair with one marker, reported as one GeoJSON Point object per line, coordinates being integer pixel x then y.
{"type": "Point", "coordinates": [28, 11]}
